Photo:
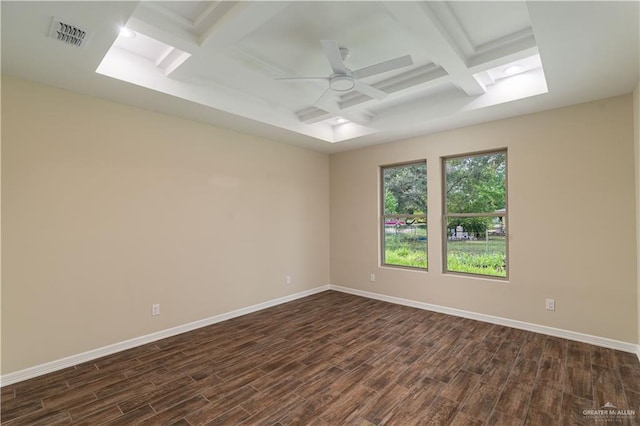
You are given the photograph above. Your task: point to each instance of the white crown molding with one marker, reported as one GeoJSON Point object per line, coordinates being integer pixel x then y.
{"type": "Point", "coordinates": [50, 367]}
{"type": "Point", "coordinates": [536, 328]}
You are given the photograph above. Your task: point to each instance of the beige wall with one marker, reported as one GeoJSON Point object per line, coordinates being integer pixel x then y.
{"type": "Point", "coordinates": [572, 220]}
{"type": "Point", "coordinates": [109, 209]}
{"type": "Point", "coordinates": [636, 127]}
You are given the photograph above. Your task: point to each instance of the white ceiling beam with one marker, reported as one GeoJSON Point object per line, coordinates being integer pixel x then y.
{"type": "Point", "coordinates": [492, 59]}
{"type": "Point", "coordinates": [242, 19]}
{"type": "Point", "coordinates": [423, 24]}
{"type": "Point", "coordinates": [448, 19]}
{"type": "Point", "coordinates": [239, 21]}
{"type": "Point", "coordinates": [149, 20]}
{"type": "Point", "coordinates": [360, 116]}
{"type": "Point", "coordinates": [414, 80]}
{"type": "Point", "coordinates": [200, 19]}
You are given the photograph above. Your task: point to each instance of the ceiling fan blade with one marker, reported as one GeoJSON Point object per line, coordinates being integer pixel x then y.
{"type": "Point", "coordinates": [301, 78]}
{"type": "Point", "coordinates": [320, 101]}
{"type": "Point", "coordinates": [390, 65]}
{"type": "Point", "coordinates": [370, 91]}
{"type": "Point", "coordinates": [332, 51]}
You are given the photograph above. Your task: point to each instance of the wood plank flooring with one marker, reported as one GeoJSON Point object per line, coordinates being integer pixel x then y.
{"type": "Point", "coordinates": [337, 359]}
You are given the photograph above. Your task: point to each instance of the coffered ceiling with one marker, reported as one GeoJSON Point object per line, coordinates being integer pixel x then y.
{"type": "Point", "coordinates": [237, 64]}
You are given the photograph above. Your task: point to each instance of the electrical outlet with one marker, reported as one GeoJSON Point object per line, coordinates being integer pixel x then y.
{"type": "Point", "coordinates": [551, 304]}
{"type": "Point", "coordinates": [288, 279]}
{"type": "Point", "coordinates": [155, 309]}
{"type": "Point", "coordinates": [372, 278]}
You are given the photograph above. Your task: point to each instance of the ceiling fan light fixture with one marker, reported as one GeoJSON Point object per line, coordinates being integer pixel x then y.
{"type": "Point", "coordinates": [342, 83]}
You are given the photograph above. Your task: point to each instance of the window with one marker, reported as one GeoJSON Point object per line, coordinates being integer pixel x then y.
{"type": "Point", "coordinates": [475, 214]}
{"type": "Point", "coordinates": [404, 215]}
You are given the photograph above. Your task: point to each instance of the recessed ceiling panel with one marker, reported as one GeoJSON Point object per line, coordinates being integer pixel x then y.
{"type": "Point", "coordinates": [219, 61]}
{"type": "Point", "coordinates": [143, 45]}
{"type": "Point", "coordinates": [189, 10]}
{"type": "Point", "coordinates": [251, 47]}
{"type": "Point", "coordinates": [291, 40]}
{"type": "Point", "coordinates": [484, 22]}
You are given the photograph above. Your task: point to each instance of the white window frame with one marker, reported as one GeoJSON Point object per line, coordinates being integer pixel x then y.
{"type": "Point", "coordinates": [446, 215]}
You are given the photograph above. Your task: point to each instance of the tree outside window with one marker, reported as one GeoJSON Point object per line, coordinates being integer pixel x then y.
{"type": "Point", "coordinates": [404, 215]}
{"type": "Point", "coordinates": [475, 214]}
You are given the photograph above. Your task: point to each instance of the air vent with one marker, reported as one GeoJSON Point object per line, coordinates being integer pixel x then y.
{"type": "Point", "coordinates": [68, 33]}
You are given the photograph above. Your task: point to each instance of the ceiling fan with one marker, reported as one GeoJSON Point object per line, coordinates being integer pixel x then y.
{"type": "Point", "coordinates": [345, 80]}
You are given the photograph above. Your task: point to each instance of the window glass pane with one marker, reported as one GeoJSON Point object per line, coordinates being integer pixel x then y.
{"type": "Point", "coordinates": [405, 241]}
{"type": "Point", "coordinates": [405, 189]}
{"type": "Point", "coordinates": [476, 184]}
{"type": "Point", "coordinates": [477, 245]}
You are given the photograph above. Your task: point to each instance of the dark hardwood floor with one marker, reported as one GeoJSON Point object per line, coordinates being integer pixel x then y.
{"type": "Point", "coordinates": [337, 359]}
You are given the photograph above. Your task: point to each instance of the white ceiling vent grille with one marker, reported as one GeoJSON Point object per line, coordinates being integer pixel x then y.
{"type": "Point", "coordinates": [68, 33]}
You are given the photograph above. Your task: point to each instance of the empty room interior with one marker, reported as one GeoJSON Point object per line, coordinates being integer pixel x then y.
{"type": "Point", "coordinates": [320, 213]}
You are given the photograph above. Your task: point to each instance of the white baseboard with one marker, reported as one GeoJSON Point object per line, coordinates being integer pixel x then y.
{"type": "Point", "coordinates": [50, 367]}
{"type": "Point", "coordinates": [72, 360]}
{"type": "Point", "coordinates": [542, 329]}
